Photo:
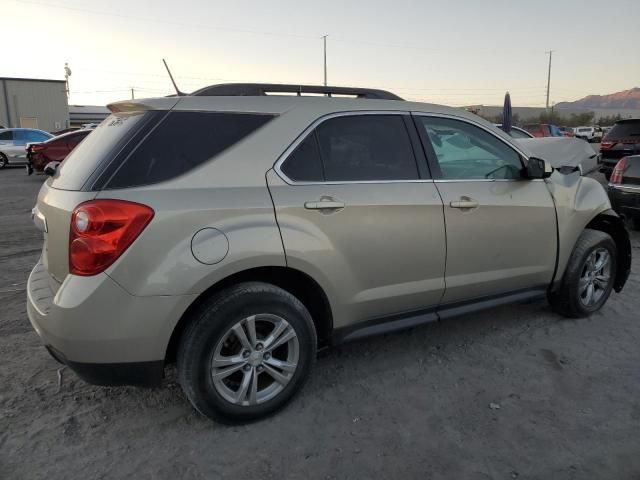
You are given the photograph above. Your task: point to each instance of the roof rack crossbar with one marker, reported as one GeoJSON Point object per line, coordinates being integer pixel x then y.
{"type": "Point", "coordinates": [261, 89]}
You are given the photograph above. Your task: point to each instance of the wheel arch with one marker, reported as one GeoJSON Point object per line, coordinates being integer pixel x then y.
{"type": "Point", "coordinates": [610, 222]}
{"type": "Point", "coordinates": [294, 281]}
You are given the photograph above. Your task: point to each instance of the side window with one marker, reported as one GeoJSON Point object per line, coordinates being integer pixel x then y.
{"type": "Point", "coordinates": [31, 136]}
{"type": "Point", "coordinates": [74, 140]}
{"type": "Point", "coordinates": [304, 165]}
{"type": "Point", "coordinates": [6, 136]}
{"type": "Point", "coordinates": [181, 142]}
{"type": "Point", "coordinates": [19, 136]}
{"type": "Point", "coordinates": [466, 152]}
{"type": "Point", "coordinates": [366, 147]}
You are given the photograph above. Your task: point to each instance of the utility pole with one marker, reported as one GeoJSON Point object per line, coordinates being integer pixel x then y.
{"type": "Point", "coordinates": [550, 52]}
{"type": "Point", "coordinates": [132, 95]}
{"type": "Point", "coordinates": [67, 74]}
{"type": "Point", "coordinates": [324, 41]}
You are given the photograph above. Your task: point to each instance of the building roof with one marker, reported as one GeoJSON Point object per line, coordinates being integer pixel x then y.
{"type": "Point", "coordinates": [32, 79]}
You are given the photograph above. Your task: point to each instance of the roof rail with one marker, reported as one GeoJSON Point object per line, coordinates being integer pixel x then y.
{"type": "Point", "coordinates": [261, 89]}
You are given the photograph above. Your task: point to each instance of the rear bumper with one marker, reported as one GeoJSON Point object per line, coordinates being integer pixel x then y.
{"type": "Point", "coordinates": [141, 374]}
{"type": "Point", "coordinates": [99, 330]}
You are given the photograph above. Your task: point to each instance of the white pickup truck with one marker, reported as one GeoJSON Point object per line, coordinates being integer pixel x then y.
{"type": "Point", "coordinates": [590, 134]}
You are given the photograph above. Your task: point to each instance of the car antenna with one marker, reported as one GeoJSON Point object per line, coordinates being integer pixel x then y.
{"type": "Point", "coordinates": [178, 92]}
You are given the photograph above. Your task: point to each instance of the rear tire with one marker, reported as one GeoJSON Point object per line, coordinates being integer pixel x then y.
{"type": "Point", "coordinates": [260, 333]}
{"type": "Point", "coordinates": [3, 160]}
{"type": "Point", "coordinates": [589, 276]}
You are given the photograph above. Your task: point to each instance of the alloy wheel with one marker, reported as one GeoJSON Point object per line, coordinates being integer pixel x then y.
{"type": "Point", "coordinates": [255, 359]}
{"type": "Point", "coordinates": [595, 277]}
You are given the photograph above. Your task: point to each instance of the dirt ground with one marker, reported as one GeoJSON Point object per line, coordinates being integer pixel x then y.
{"type": "Point", "coordinates": [516, 392]}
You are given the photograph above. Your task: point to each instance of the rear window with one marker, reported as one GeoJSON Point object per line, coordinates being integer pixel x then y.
{"type": "Point", "coordinates": [141, 148]}
{"type": "Point", "coordinates": [625, 129]}
{"type": "Point", "coordinates": [84, 160]}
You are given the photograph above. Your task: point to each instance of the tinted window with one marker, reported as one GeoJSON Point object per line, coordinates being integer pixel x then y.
{"type": "Point", "coordinates": [303, 165]}
{"type": "Point", "coordinates": [84, 160]}
{"type": "Point", "coordinates": [182, 141]}
{"type": "Point", "coordinates": [366, 147]}
{"type": "Point", "coordinates": [6, 136]}
{"type": "Point", "coordinates": [32, 136]}
{"type": "Point", "coordinates": [73, 140]}
{"type": "Point", "coordinates": [464, 151]}
{"type": "Point", "coordinates": [625, 130]}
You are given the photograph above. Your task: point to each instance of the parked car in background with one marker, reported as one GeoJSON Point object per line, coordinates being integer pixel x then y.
{"type": "Point", "coordinates": [13, 142]}
{"type": "Point", "coordinates": [622, 141]}
{"type": "Point", "coordinates": [590, 134]}
{"type": "Point", "coordinates": [567, 131]}
{"type": "Point", "coordinates": [516, 132]}
{"type": "Point", "coordinates": [53, 150]}
{"type": "Point", "coordinates": [236, 231]}
{"type": "Point", "coordinates": [624, 189]}
{"type": "Point", "coordinates": [543, 130]}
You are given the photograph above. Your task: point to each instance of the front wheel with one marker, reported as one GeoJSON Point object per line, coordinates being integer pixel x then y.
{"type": "Point", "coordinates": [589, 276]}
{"type": "Point", "coordinates": [248, 350]}
{"type": "Point", "coordinates": [3, 160]}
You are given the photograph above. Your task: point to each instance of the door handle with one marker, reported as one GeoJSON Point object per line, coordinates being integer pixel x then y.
{"type": "Point", "coordinates": [464, 202]}
{"type": "Point", "coordinates": [325, 203]}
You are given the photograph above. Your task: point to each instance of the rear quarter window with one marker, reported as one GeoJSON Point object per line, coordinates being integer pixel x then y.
{"type": "Point", "coordinates": [181, 142]}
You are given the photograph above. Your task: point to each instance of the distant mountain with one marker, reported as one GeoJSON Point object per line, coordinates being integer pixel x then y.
{"type": "Point", "coordinates": [625, 99]}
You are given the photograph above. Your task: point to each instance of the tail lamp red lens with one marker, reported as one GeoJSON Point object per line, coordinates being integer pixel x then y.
{"type": "Point", "coordinates": [101, 230]}
{"type": "Point", "coordinates": [618, 172]}
{"type": "Point", "coordinates": [36, 148]}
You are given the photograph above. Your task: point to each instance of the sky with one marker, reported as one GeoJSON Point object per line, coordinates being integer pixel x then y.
{"type": "Point", "coordinates": [453, 52]}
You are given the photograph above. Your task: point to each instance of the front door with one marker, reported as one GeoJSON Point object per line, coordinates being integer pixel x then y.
{"type": "Point", "coordinates": [359, 214]}
{"type": "Point", "coordinates": [501, 227]}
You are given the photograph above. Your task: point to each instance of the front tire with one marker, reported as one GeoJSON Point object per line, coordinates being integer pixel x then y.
{"type": "Point", "coordinates": [3, 160]}
{"type": "Point", "coordinates": [246, 353]}
{"type": "Point", "coordinates": [589, 276]}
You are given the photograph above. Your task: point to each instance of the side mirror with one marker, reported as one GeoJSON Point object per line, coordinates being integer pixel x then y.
{"type": "Point", "coordinates": [51, 168]}
{"type": "Point", "coordinates": [538, 168]}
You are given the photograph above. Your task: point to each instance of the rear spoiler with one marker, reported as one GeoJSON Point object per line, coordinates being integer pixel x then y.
{"type": "Point", "coordinates": [164, 103]}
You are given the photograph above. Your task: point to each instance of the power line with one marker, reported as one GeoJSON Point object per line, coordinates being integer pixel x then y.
{"type": "Point", "coordinates": [435, 50]}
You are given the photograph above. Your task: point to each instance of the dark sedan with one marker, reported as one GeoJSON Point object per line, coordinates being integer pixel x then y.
{"type": "Point", "coordinates": [624, 189]}
{"type": "Point", "coordinates": [622, 140]}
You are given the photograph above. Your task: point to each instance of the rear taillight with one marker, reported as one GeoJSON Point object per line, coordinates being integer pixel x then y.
{"type": "Point", "coordinates": [36, 148]}
{"type": "Point", "coordinates": [101, 230]}
{"type": "Point", "coordinates": [606, 145]}
{"type": "Point", "coordinates": [618, 172]}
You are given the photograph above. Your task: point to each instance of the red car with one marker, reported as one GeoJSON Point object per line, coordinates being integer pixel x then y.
{"type": "Point", "coordinates": [53, 150]}
{"type": "Point", "coordinates": [543, 130]}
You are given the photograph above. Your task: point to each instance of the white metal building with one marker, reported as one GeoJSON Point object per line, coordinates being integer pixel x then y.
{"type": "Point", "coordinates": [33, 103]}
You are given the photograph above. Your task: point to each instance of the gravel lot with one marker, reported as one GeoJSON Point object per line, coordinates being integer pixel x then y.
{"type": "Point", "coordinates": [516, 392]}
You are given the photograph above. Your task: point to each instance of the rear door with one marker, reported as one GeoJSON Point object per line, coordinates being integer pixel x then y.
{"type": "Point", "coordinates": [358, 211]}
{"type": "Point", "coordinates": [501, 227]}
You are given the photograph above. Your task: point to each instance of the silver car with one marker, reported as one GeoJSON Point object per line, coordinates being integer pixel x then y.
{"type": "Point", "coordinates": [235, 231]}
{"type": "Point", "coordinates": [13, 144]}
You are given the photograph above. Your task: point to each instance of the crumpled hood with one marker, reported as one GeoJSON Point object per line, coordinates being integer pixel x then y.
{"type": "Point", "coordinates": [563, 152]}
